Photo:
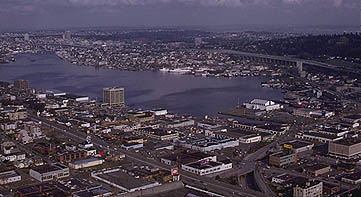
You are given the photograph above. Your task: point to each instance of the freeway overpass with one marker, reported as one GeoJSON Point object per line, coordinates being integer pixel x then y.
{"type": "Point", "coordinates": [287, 61]}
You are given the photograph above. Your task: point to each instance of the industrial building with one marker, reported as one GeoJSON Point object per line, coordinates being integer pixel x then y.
{"type": "Point", "coordinates": [49, 172]}
{"type": "Point", "coordinates": [250, 138]}
{"type": "Point", "coordinates": [7, 177]}
{"type": "Point", "coordinates": [113, 96]}
{"type": "Point", "coordinates": [126, 183]}
{"type": "Point", "coordinates": [204, 167]}
{"type": "Point", "coordinates": [320, 137]}
{"type": "Point", "coordinates": [208, 144]}
{"type": "Point", "coordinates": [86, 163]}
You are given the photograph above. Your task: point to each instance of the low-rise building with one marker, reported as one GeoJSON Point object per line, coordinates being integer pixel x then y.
{"type": "Point", "coordinates": [158, 134]}
{"type": "Point", "coordinates": [7, 177]}
{"type": "Point", "coordinates": [284, 158]}
{"type": "Point", "coordinates": [298, 146]}
{"type": "Point", "coordinates": [317, 169]}
{"type": "Point", "coordinates": [85, 163]}
{"type": "Point", "coordinates": [320, 137]}
{"type": "Point", "coordinates": [71, 155]}
{"type": "Point", "coordinates": [250, 138]}
{"type": "Point", "coordinates": [308, 189]}
{"type": "Point", "coordinates": [263, 105]}
{"type": "Point", "coordinates": [208, 144]}
{"type": "Point", "coordinates": [354, 178]}
{"type": "Point", "coordinates": [181, 123]}
{"type": "Point", "coordinates": [126, 183]}
{"type": "Point", "coordinates": [205, 167]}
{"type": "Point", "coordinates": [129, 146]}
{"type": "Point", "coordinates": [49, 172]}
{"type": "Point", "coordinates": [282, 178]}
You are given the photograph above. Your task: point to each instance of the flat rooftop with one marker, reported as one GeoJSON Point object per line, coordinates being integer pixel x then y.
{"type": "Point", "coordinates": [348, 142]}
{"type": "Point", "coordinates": [8, 174]}
{"type": "Point", "coordinates": [202, 166]}
{"type": "Point", "coordinates": [50, 168]}
{"type": "Point", "coordinates": [355, 176]}
{"type": "Point", "coordinates": [315, 134]}
{"type": "Point", "coordinates": [125, 180]}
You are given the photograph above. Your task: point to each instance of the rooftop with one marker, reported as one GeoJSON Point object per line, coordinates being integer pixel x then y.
{"type": "Point", "coordinates": [127, 181]}
{"type": "Point", "coordinates": [50, 168]}
{"type": "Point", "coordinates": [348, 141]}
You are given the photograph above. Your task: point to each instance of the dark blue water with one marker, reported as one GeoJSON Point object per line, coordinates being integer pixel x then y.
{"type": "Point", "coordinates": [182, 94]}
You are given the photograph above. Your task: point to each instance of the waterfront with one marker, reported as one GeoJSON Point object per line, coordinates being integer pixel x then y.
{"type": "Point", "coordinates": [182, 94]}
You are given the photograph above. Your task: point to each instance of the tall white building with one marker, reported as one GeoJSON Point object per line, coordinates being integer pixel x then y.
{"type": "Point", "coordinates": [113, 96]}
{"type": "Point", "coordinates": [26, 37]}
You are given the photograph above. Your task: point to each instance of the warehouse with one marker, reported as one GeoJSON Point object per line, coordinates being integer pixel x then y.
{"type": "Point", "coordinates": [86, 163]}
{"type": "Point", "coordinates": [9, 177]}
{"type": "Point", "coordinates": [50, 172]}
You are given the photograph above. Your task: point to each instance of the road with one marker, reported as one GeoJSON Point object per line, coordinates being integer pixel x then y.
{"type": "Point", "coordinates": [211, 184]}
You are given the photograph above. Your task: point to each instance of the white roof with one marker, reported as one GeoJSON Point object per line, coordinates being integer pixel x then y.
{"type": "Point", "coordinates": [259, 101]}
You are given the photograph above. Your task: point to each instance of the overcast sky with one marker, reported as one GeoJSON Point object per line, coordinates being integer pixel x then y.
{"type": "Point", "coordinates": [85, 13]}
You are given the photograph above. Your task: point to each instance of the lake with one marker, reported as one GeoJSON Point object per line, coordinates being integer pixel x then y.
{"type": "Point", "coordinates": [181, 94]}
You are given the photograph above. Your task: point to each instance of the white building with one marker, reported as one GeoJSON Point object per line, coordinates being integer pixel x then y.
{"type": "Point", "coordinates": [86, 163]}
{"type": "Point", "coordinates": [209, 144]}
{"type": "Point", "coordinates": [263, 105]}
{"type": "Point", "coordinates": [205, 167]}
{"type": "Point", "coordinates": [181, 123]}
{"type": "Point", "coordinates": [9, 177]}
{"type": "Point", "coordinates": [250, 139]}
{"type": "Point", "coordinates": [315, 136]}
{"type": "Point", "coordinates": [308, 189]}
{"type": "Point", "coordinates": [50, 172]}
{"type": "Point", "coordinates": [160, 112]}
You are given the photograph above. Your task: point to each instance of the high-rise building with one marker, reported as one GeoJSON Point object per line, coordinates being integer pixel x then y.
{"type": "Point", "coordinates": [26, 37]}
{"type": "Point", "coordinates": [113, 96]}
{"type": "Point", "coordinates": [21, 84]}
{"type": "Point", "coordinates": [198, 41]}
{"type": "Point", "coordinates": [67, 35]}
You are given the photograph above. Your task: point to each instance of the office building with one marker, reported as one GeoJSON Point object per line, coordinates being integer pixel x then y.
{"type": "Point", "coordinates": [21, 84]}
{"type": "Point", "coordinates": [113, 96]}
{"type": "Point", "coordinates": [282, 159]}
{"type": "Point", "coordinates": [345, 148]}
{"type": "Point", "coordinates": [26, 37]}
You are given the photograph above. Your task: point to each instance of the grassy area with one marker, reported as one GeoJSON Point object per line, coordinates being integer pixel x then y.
{"type": "Point", "coordinates": [235, 112]}
{"type": "Point", "coordinates": [273, 188]}
{"type": "Point", "coordinates": [343, 63]}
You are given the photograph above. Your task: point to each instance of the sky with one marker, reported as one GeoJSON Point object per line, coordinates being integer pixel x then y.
{"type": "Point", "coordinates": [22, 14]}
